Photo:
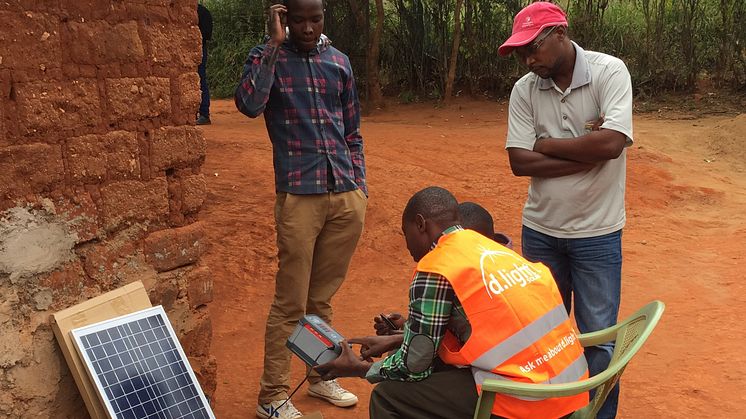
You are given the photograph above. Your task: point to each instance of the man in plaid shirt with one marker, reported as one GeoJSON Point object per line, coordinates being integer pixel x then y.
{"type": "Point", "coordinates": [434, 308]}
{"type": "Point", "coordinates": [418, 380]}
{"type": "Point", "coordinates": [306, 91]}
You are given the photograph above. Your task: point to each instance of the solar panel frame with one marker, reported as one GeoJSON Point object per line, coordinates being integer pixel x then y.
{"type": "Point", "coordinates": [122, 380]}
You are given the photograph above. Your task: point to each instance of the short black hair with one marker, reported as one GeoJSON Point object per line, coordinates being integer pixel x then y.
{"type": "Point", "coordinates": [433, 203]}
{"type": "Point", "coordinates": [475, 217]}
{"type": "Point", "coordinates": [286, 3]}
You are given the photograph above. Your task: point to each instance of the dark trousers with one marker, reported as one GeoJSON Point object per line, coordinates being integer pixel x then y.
{"type": "Point", "coordinates": [588, 273]}
{"type": "Point", "coordinates": [204, 106]}
{"type": "Point", "coordinates": [447, 394]}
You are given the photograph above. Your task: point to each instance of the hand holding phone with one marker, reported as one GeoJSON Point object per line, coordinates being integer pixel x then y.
{"type": "Point", "coordinates": [386, 320]}
{"type": "Point", "coordinates": [388, 324]}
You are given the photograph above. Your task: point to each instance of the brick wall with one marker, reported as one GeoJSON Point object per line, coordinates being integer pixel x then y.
{"type": "Point", "coordinates": [100, 180]}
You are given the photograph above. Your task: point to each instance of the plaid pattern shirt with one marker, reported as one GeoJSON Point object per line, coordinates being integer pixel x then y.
{"type": "Point", "coordinates": [312, 113]}
{"type": "Point", "coordinates": [433, 305]}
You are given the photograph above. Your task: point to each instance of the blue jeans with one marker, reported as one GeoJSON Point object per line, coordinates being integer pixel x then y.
{"type": "Point", "coordinates": [588, 272]}
{"type": "Point", "coordinates": [204, 106]}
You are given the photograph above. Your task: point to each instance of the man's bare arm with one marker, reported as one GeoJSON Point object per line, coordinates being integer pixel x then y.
{"type": "Point", "coordinates": [531, 163]}
{"type": "Point", "coordinates": [594, 147]}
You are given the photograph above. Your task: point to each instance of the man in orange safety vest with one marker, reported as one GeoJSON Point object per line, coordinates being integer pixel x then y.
{"type": "Point", "coordinates": [477, 311]}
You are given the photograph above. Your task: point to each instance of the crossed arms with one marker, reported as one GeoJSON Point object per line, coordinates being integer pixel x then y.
{"type": "Point", "coordinates": [555, 157]}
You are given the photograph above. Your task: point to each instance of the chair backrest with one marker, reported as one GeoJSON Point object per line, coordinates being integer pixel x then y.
{"type": "Point", "coordinates": [630, 335]}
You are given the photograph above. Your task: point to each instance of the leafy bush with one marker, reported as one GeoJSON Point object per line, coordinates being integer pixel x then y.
{"type": "Point", "coordinates": [668, 45]}
{"type": "Point", "coordinates": [238, 25]}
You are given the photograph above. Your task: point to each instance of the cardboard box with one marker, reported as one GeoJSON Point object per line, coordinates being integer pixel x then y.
{"type": "Point", "coordinates": [127, 299]}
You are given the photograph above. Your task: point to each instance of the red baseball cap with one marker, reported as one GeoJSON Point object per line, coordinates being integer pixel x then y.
{"type": "Point", "coordinates": [529, 23]}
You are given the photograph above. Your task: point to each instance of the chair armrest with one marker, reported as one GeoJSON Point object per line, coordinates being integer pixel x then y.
{"type": "Point", "coordinates": [515, 388]}
{"type": "Point", "coordinates": [598, 337]}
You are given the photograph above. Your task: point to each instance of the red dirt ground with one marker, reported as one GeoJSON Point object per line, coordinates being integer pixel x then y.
{"type": "Point", "coordinates": [684, 244]}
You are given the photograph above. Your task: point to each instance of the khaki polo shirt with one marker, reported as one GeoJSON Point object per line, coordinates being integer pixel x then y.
{"type": "Point", "coordinates": [585, 204]}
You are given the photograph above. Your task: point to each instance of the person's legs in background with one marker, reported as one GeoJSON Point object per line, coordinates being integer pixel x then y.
{"type": "Point", "coordinates": [596, 270]}
{"type": "Point", "coordinates": [299, 219]}
{"type": "Point", "coordinates": [552, 252]}
{"type": "Point", "coordinates": [331, 257]}
{"type": "Point", "coordinates": [333, 251]}
{"type": "Point", "coordinates": [588, 275]}
{"type": "Point", "coordinates": [204, 107]}
{"type": "Point", "coordinates": [316, 237]}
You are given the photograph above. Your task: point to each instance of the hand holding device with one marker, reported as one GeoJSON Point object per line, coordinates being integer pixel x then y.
{"type": "Point", "coordinates": [277, 23]}
{"type": "Point", "coordinates": [346, 365]}
{"type": "Point", "coordinates": [375, 346]}
{"type": "Point", "coordinates": [314, 341]}
{"type": "Point", "coordinates": [388, 324]}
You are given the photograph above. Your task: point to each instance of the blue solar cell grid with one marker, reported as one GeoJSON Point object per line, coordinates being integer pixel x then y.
{"type": "Point", "coordinates": [139, 368]}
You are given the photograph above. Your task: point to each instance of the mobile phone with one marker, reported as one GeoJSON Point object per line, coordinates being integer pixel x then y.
{"type": "Point", "coordinates": [391, 324]}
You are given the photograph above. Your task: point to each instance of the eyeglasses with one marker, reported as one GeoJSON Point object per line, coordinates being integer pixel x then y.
{"type": "Point", "coordinates": [531, 48]}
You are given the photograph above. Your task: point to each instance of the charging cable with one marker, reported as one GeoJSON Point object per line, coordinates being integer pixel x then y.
{"type": "Point", "coordinates": [308, 374]}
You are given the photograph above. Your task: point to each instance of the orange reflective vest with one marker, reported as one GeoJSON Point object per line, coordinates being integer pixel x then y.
{"type": "Point", "coordinates": [520, 329]}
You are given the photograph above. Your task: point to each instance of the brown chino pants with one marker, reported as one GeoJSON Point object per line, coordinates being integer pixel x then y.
{"type": "Point", "coordinates": [316, 236]}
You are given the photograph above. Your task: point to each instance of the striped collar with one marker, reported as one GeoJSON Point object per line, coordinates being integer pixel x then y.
{"type": "Point", "coordinates": [446, 232]}
{"type": "Point", "coordinates": [581, 74]}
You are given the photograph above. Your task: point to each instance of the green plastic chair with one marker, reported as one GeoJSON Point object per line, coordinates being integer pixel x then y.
{"type": "Point", "coordinates": [630, 335]}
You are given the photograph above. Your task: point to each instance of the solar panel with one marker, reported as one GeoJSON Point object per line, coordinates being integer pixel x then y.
{"type": "Point", "coordinates": [140, 369]}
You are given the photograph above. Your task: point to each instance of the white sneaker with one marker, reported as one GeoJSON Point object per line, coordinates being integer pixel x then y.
{"type": "Point", "coordinates": [271, 411]}
{"type": "Point", "coordinates": [333, 393]}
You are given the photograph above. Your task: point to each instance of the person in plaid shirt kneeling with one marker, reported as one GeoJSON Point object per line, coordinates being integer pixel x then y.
{"type": "Point", "coordinates": [477, 311]}
{"type": "Point", "coordinates": [306, 91]}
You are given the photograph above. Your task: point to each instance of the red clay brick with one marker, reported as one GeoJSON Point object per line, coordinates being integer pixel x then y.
{"type": "Point", "coordinates": [66, 280]}
{"type": "Point", "coordinates": [29, 169]}
{"type": "Point", "coordinates": [180, 46]}
{"type": "Point", "coordinates": [193, 190]}
{"type": "Point", "coordinates": [170, 249]}
{"type": "Point", "coordinates": [5, 81]}
{"type": "Point", "coordinates": [174, 147]}
{"type": "Point", "coordinates": [3, 133]}
{"type": "Point", "coordinates": [47, 107]}
{"type": "Point", "coordinates": [90, 10]}
{"type": "Point", "coordinates": [199, 286]}
{"type": "Point", "coordinates": [189, 93]}
{"type": "Point", "coordinates": [114, 156]}
{"type": "Point", "coordinates": [116, 259]}
{"type": "Point", "coordinates": [197, 340]}
{"type": "Point", "coordinates": [165, 292]}
{"type": "Point", "coordinates": [79, 213]}
{"type": "Point", "coordinates": [138, 98]}
{"type": "Point", "coordinates": [132, 201]}
{"type": "Point", "coordinates": [29, 41]}
{"type": "Point", "coordinates": [206, 370]}
{"type": "Point", "coordinates": [102, 43]}
{"type": "Point", "coordinates": [154, 12]}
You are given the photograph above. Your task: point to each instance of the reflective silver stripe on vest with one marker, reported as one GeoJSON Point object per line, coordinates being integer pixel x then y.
{"type": "Point", "coordinates": [522, 339]}
{"type": "Point", "coordinates": [573, 372]}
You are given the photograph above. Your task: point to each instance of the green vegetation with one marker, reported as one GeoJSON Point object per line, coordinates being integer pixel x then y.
{"type": "Point", "coordinates": [238, 25]}
{"type": "Point", "coordinates": [668, 45]}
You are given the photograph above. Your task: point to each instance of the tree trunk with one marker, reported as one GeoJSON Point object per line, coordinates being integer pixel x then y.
{"type": "Point", "coordinates": [454, 51]}
{"type": "Point", "coordinates": [374, 81]}
{"type": "Point", "coordinates": [361, 21]}
{"type": "Point", "coordinates": [469, 38]}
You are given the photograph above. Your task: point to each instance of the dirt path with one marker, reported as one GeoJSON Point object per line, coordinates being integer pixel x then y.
{"type": "Point", "coordinates": [684, 244]}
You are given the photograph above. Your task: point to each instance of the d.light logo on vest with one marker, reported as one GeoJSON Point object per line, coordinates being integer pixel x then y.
{"type": "Point", "coordinates": [500, 279]}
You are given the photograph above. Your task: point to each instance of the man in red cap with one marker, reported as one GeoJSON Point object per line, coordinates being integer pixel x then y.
{"type": "Point", "coordinates": [570, 121]}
